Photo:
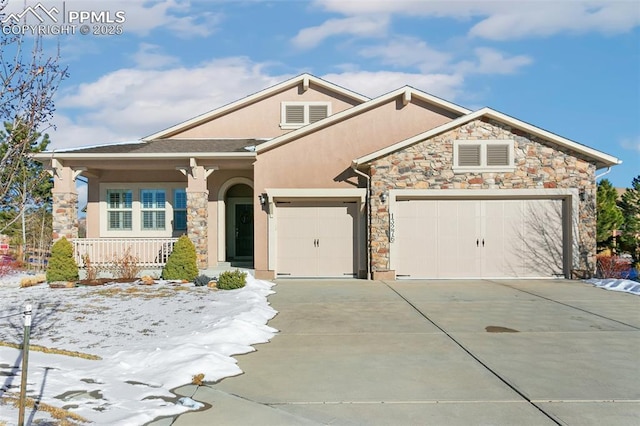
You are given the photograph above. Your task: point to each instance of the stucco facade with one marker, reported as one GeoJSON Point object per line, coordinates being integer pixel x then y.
{"type": "Point", "coordinates": [265, 181]}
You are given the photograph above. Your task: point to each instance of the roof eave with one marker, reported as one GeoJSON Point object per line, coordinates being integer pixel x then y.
{"type": "Point", "coordinates": [43, 156]}
{"type": "Point", "coordinates": [600, 159]}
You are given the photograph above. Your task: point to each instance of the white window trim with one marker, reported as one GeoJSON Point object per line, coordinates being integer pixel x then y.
{"type": "Point", "coordinates": [483, 155]}
{"type": "Point", "coordinates": [290, 126]}
{"type": "Point", "coordinates": [154, 209]}
{"type": "Point", "coordinates": [136, 210]}
{"type": "Point", "coordinates": [118, 209]}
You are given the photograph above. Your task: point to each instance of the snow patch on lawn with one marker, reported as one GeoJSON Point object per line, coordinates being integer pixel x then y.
{"type": "Point", "coordinates": [150, 339]}
{"type": "Point", "coordinates": [614, 284]}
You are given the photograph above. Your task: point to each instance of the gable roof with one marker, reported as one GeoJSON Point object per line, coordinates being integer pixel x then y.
{"type": "Point", "coordinates": [600, 158]}
{"type": "Point", "coordinates": [407, 92]}
{"type": "Point", "coordinates": [304, 79]}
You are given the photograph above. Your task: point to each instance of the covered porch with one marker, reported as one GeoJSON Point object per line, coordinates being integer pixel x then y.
{"type": "Point", "coordinates": [146, 196]}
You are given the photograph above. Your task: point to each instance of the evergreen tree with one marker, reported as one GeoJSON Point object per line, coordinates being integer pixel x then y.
{"type": "Point", "coordinates": [62, 266]}
{"type": "Point", "coordinates": [182, 262]}
{"type": "Point", "coordinates": [630, 206]}
{"type": "Point", "coordinates": [609, 215]}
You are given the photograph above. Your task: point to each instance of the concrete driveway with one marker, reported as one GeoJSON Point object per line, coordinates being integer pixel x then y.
{"type": "Point", "coordinates": [484, 352]}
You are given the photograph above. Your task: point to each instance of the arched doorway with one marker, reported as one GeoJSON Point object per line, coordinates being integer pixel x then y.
{"type": "Point", "coordinates": [239, 225]}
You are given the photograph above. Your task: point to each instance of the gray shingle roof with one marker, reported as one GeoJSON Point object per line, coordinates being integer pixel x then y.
{"type": "Point", "coordinates": [172, 145]}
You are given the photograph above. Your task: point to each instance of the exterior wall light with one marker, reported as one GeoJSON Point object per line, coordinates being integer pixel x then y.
{"type": "Point", "coordinates": [383, 198]}
{"type": "Point", "coordinates": [263, 198]}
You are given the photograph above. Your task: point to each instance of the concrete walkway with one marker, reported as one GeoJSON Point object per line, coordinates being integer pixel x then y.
{"type": "Point", "coordinates": [437, 353]}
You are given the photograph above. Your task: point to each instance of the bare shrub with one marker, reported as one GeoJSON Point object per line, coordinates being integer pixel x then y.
{"type": "Point", "coordinates": [126, 266]}
{"type": "Point", "coordinates": [609, 266]}
{"type": "Point", "coordinates": [91, 268]}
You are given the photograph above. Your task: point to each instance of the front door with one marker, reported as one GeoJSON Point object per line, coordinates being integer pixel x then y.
{"type": "Point", "coordinates": [244, 230]}
{"type": "Point", "coordinates": [239, 229]}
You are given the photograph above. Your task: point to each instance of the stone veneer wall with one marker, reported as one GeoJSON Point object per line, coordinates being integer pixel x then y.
{"type": "Point", "coordinates": [65, 215]}
{"type": "Point", "coordinates": [428, 165]}
{"type": "Point", "coordinates": [197, 224]}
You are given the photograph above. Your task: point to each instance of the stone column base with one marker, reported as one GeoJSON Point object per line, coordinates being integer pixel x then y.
{"type": "Point", "coordinates": [384, 275]}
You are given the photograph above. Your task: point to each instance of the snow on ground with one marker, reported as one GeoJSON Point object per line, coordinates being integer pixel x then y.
{"type": "Point", "coordinates": [150, 339]}
{"type": "Point", "coordinates": [614, 284]}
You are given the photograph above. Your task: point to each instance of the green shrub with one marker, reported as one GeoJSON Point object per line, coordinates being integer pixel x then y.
{"type": "Point", "coordinates": [201, 280]}
{"type": "Point", "coordinates": [62, 266]}
{"type": "Point", "coordinates": [230, 280]}
{"type": "Point", "coordinates": [182, 262]}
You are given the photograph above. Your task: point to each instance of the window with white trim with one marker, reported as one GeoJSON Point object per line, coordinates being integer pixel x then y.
{"type": "Point", "coordinates": [152, 208]}
{"type": "Point", "coordinates": [144, 208]}
{"type": "Point", "coordinates": [298, 114]}
{"type": "Point", "coordinates": [119, 209]}
{"type": "Point", "coordinates": [483, 155]}
{"type": "Point", "coordinates": [179, 210]}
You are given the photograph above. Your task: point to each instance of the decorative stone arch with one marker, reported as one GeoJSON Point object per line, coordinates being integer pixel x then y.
{"type": "Point", "coordinates": [222, 213]}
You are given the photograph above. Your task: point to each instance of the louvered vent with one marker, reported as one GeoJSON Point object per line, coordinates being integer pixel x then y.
{"type": "Point", "coordinates": [295, 114]}
{"type": "Point", "coordinates": [468, 155]}
{"type": "Point", "coordinates": [317, 113]}
{"type": "Point", "coordinates": [497, 155]}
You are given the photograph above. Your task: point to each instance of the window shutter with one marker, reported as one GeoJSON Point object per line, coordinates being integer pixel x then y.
{"type": "Point", "coordinates": [295, 114]}
{"type": "Point", "coordinates": [497, 155]}
{"type": "Point", "coordinates": [317, 113]}
{"type": "Point", "coordinates": [468, 155]}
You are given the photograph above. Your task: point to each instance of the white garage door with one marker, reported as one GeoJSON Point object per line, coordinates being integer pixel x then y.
{"type": "Point", "coordinates": [316, 239]}
{"type": "Point", "coordinates": [478, 238]}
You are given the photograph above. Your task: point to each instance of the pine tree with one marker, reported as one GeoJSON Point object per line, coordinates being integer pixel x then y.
{"type": "Point", "coordinates": [630, 206]}
{"type": "Point", "coordinates": [182, 262]}
{"type": "Point", "coordinates": [609, 216]}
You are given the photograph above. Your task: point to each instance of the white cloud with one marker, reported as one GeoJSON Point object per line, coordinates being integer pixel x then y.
{"type": "Point", "coordinates": [404, 51]}
{"type": "Point", "coordinates": [377, 83]}
{"type": "Point", "coordinates": [149, 56]}
{"type": "Point", "coordinates": [508, 20]}
{"type": "Point", "coordinates": [531, 19]}
{"type": "Point", "coordinates": [364, 26]}
{"type": "Point", "coordinates": [491, 61]}
{"type": "Point", "coordinates": [128, 104]}
{"type": "Point", "coordinates": [631, 145]}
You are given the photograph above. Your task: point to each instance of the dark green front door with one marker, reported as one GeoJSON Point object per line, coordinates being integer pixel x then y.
{"type": "Point", "coordinates": [244, 230]}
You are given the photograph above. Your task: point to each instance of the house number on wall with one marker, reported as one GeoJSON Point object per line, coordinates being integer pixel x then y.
{"type": "Point", "coordinates": [392, 228]}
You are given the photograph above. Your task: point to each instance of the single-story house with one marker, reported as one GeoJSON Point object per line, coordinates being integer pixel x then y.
{"type": "Point", "coordinates": [309, 179]}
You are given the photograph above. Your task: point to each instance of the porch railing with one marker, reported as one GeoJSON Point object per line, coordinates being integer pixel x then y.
{"type": "Point", "coordinates": [104, 252]}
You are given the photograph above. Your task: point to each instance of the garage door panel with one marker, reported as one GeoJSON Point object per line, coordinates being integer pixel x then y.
{"type": "Point", "coordinates": [543, 227]}
{"type": "Point", "coordinates": [416, 225]}
{"type": "Point", "coordinates": [480, 238]}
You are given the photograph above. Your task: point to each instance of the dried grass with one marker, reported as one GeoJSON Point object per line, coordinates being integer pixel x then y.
{"type": "Point", "coordinates": [32, 280]}
{"type": "Point", "coordinates": [45, 350]}
{"type": "Point", "coordinates": [198, 379]}
{"type": "Point", "coordinates": [67, 418]}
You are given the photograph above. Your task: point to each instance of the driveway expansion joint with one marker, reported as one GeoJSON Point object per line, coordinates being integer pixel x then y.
{"type": "Point", "coordinates": [476, 358]}
{"type": "Point", "coordinates": [562, 303]}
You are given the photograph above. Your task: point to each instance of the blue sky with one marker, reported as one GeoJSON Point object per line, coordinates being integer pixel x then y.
{"type": "Point", "coordinates": [570, 67]}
